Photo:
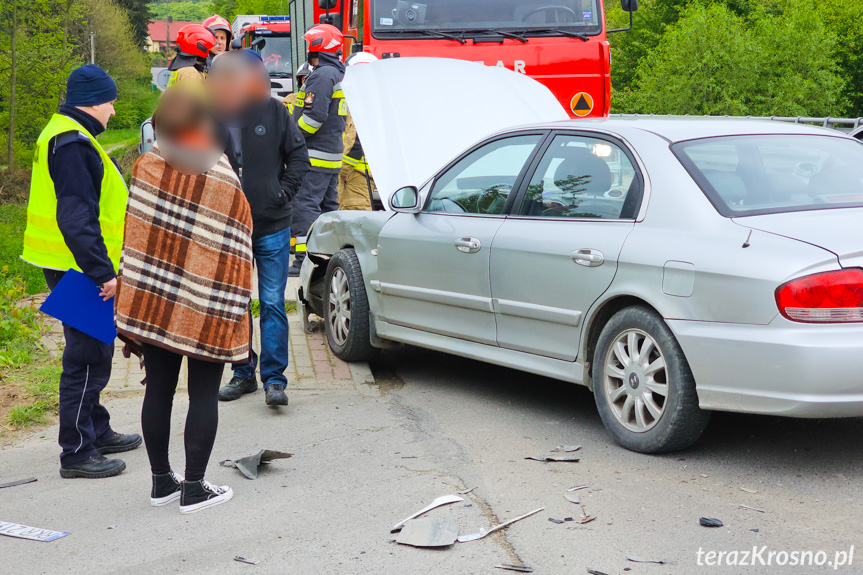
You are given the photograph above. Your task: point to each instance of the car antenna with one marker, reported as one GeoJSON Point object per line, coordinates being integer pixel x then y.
{"type": "Point", "coordinates": [746, 244]}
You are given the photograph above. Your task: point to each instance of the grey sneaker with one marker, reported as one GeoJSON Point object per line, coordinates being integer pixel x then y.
{"type": "Point", "coordinates": [276, 394]}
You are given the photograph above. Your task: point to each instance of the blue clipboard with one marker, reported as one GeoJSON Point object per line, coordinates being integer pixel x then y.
{"type": "Point", "coordinates": [76, 302]}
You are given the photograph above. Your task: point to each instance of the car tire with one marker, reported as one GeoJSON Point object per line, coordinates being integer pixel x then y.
{"type": "Point", "coordinates": [346, 309]}
{"type": "Point", "coordinates": [629, 389]}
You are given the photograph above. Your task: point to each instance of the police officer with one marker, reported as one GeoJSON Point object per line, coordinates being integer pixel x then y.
{"type": "Point", "coordinates": [320, 112]}
{"type": "Point", "coordinates": [75, 220]}
{"type": "Point", "coordinates": [355, 181]}
{"type": "Point", "coordinates": [194, 42]}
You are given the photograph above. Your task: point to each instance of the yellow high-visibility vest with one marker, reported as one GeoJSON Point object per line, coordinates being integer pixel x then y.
{"type": "Point", "coordinates": [44, 245]}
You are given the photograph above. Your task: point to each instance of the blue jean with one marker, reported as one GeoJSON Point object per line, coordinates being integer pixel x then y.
{"type": "Point", "coordinates": [272, 254]}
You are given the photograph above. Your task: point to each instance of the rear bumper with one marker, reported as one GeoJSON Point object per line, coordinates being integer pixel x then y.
{"type": "Point", "coordinates": [783, 368]}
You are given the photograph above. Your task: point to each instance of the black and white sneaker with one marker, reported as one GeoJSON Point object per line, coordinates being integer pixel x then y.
{"type": "Point", "coordinates": [166, 488]}
{"type": "Point", "coordinates": [197, 495]}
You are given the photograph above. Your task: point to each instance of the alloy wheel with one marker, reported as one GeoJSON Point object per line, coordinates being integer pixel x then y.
{"type": "Point", "coordinates": [636, 380]}
{"type": "Point", "coordinates": [339, 307]}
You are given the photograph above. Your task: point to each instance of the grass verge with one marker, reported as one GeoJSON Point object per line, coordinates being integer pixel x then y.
{"type": "Point", "coordinates": [38, 384]}
{"type": "Point", "coordinates": [290, 307]}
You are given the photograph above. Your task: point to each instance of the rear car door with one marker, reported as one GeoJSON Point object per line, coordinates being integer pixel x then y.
{"type": "Point", "coordinates": [434, 266]}
{"type": "Point", "coordinates": [557, 253]}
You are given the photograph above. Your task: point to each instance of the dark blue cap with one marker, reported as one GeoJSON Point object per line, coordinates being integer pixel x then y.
{"type": "Point", "coordinates": [90, 85]}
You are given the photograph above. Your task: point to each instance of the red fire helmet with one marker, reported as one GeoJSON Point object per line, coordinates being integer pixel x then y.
{"type": "Point", "coordinates": [324, 38]}
{"type": "Point", "coordinates": [216, 22]}
{"type": "Point", "coordinates": [195, 40]}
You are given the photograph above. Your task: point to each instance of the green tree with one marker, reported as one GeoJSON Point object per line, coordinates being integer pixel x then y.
{"type": "Point", "coordinates": [772, 61]}
{"type": "Point", "coordinates": [138, 13]}
{"type": "Point", "coordinates": [187, 11]}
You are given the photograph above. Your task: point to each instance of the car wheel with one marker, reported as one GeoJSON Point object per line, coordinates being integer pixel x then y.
{"type": "Point", "coordinates": [643, 386]}
{"type": "Point", "coordinates": [346, 308]}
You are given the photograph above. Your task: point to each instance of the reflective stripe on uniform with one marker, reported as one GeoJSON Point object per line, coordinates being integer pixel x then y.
{"type": "Point", "coordinates": [338, 94]}
{"type": "Point", "coordinates": [309, 125]}
{"type": "Point", "coordinates": [325, 159]}
{"type": "Point", "coordinates": [300, 243]}
{"type": "Point", "coordinates": [359, 165]}
{"type": "Point", "coordinates": [325, 163]}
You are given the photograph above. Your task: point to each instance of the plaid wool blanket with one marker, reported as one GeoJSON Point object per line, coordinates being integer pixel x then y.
{"type": "Point", "coordinates": [186, 267]}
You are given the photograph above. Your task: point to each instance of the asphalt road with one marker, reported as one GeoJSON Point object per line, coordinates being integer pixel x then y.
{"type": "Point", "coordinates": [365, 458]}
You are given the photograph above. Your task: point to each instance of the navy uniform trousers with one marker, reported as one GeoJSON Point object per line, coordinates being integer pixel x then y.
{"type": "Point", "coordinates": [318, 194]}
{"type": "Point", "coordinates": [84, 422]}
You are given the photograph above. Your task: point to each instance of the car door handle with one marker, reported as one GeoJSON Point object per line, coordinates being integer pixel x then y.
{"type": "Point", "coordinates": [468, 245]}
{"type": "Point", "coordinates": [588, 258]}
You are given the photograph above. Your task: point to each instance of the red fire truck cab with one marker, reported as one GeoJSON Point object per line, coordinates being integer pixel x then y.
{"type": "Point", "coordinates": [271, 38]}
{"type": "Point", "coordinates": [560, 43]}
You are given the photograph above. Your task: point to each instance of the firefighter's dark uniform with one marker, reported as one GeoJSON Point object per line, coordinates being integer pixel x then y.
{"type": "Point", "coordinates": [320, 111]}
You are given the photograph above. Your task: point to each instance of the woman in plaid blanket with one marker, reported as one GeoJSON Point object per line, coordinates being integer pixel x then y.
{"type": "Point", "coordinates": [185, 286]}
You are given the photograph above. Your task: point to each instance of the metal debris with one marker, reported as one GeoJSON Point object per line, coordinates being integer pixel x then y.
{"type": "Point", "coordinates": [428, 532]}
{"type": "Point", "coordinates": [17, 483]}
{"type": "Point", "coordinates": [553, 457]}
{"type": "Point", "coordinates": [751, 508]}
{"type": "Point", "coordinates": [642, 560]}
{"type": "Point", "coordinates": [566, 448]}
{"type": "Point", "coordinates": [248, 466]}
{"type": "Point", "coordinates": [519, 568]}
{"type": "Point", "coordinates": [556, 521]}
{"type": "Point", "coordinates": [482, 532]}
{"type": "Point", "coordinates": [442, 500]}
{"type": "Point", "coordinates": [710, 522]}
{"type": "Point", "coordinates": [244, 560]}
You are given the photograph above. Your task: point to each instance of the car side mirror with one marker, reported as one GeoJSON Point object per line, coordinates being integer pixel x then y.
{"type": "Point", "coordinates": [237, 44]}
{"type": "Point", "coordinates": [327, 4]}
{"type": "Point", "coordinates": [629, 5]}
{"type": "Point", "coordinates": [406, 200]}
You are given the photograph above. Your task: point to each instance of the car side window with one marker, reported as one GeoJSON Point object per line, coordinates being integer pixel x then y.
{"type": "Point", "coordinates": [480, 183]}
{"type": "Point", "coordinates": [582, 177]}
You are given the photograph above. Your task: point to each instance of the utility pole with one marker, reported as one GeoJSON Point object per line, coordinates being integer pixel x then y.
{"type": "Point", "coordinates": [92, 48]}
{"type": "Point", "coordinates": [167, 30]}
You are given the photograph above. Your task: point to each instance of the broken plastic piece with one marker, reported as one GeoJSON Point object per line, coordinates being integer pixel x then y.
{"type": "Point", "coordinates": [553, 457]}
{"type": "Point", "coordinates": [557, 521]}
{"type": "Point", "coordinates": [519, 568]}
{"type": "Point", "coordinates": [577, 487]}
{"type": "Point", "coordinates": [585, 516]}
{"type": "Point", "coordinates": [248, 466]}
{"type": "Point", "coordinates": [573, 497]}
{"type": "Point", "coordinates": [442, 500]}
{"type": "Point", "coordinates": [747, 490]}
{"type": "Point", "coordinates": [754, 530]}
{"type": "Point", "coordinates": [244, 560]}
{"type": "Point", "coordinates": [566, 448]}
{"type": "Point", "coordinates": [482, 532]}
{"type": "Point", "coordinates": [27, 532]}
{"type": "Point", "coordinates": [568, 519]}
{"type": "Point", "coordinates": [710, 522]}
{"type": "Point", "coordinates": [466, 491]}
{"type": "Point", "coordinates": [751, 508]}
{"type": "Point", "coordinates": [642, 560]}
{"type": "Point", "coordinates": [595, 572]}
{"type": "Point", "coordinates": [19, 482]}
{"type": "Point", "coordinates": [428, 532]}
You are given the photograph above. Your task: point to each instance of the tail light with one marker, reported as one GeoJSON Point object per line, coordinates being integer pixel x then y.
{"type": "Point", "coordinates": [830, 297]}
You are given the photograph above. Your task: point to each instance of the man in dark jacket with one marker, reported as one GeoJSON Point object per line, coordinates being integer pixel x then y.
{"type": "Point", "coordinates": [75, 220]}
{"type": "Point", "coordinates": [269, 155]}
{"type": "Point", "coordinates": [320, 111]}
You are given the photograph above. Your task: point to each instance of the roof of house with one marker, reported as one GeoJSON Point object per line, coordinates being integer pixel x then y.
{"type": "Point", "coordinates": [157, 30]}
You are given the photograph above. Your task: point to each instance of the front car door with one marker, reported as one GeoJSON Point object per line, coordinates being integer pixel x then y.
{"type": "Point", "coordinates": [434, 266]}
{"type": "Point", "coordinates": [557, 252]}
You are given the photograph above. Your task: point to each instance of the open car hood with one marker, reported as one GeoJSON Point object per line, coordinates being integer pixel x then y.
{"type": "Point", "coordinates": [413, 115]}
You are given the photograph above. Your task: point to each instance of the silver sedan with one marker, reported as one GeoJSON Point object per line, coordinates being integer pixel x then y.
{"type": "Point", "coordinates": [675, 267]}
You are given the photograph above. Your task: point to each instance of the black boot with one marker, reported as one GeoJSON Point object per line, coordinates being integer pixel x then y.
{"type": "Point", "coordinates": [166, 488]}
{"type": "Point", "coordinates": [237, 388]}
{"type": "Point", "coordinates": [97, 467]}
{"type": "Point", "coordinates": [197, 495]}
{"type": "Point", "coordinates": [276, 394]}
{"type": "Point", "coordinates": [119, 443]}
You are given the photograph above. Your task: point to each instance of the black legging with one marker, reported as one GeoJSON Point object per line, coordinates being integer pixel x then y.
{"type": "Point", "coordinates": [163, 370]}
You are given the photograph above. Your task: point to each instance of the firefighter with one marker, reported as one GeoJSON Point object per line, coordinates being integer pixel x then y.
{"type": "Point", "coordinates": [355, 181]}
{"type": "Point", "coordinates": [221, 29]}
{"type": "Point", "coordinates": [320, 112]}
{"type": "Point", "coordinates": [194, 42]}
{"type": "Point", "coordinates": [75, 221]}
{"type": "Point", "coordinates": [291, 98]}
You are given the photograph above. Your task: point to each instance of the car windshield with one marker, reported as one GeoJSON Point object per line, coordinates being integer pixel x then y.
{"type": "Point", "coordinates": [457, 15]}
{"type": "Point", "coordinates": [768, 174]}
{"type": "Point", "coordinates": [276, 53]}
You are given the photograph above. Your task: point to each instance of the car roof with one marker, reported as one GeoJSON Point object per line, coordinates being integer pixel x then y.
{"type": "Point", "coordinates": [688, 128]}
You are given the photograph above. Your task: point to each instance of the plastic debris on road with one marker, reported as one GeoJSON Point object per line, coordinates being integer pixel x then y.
{"type": "Point", "coordinates": [643, 560]}
{"type": "Point", "coordinates": [577, 487]}
{"type": "Point", "coordinates": [553, 457]}
{"type": "Point", "coordinates": [710, 522]}
{"type": "Point", "coordinates": [519, 568]}
{"type": "Point", "coordinates": [250, 465]}
{"type": "Point", "coordinates": [17, 483]}
{"type": "Point", "coordinates": [442, 500]}
{"type": "Point", "coordinates": [573, 497]}
{"type": "Point", "coordinates": [245, 560]}
{"type": "Point", "coordinates": [751, 508]}
{"type": "Point", "coordinates": [32, 533]}
{"type": "Point", "coordinates": [482, 532]}
{"type": "Point", "coordinates": [428, 532]}
{"type": "Point", "coordinates": [566, 448]}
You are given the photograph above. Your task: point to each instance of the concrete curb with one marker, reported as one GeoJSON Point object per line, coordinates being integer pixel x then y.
{"type": "Point", "coordinates": [363, 377]}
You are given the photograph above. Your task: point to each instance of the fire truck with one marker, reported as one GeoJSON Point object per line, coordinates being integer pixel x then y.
{"type": "Point", "coordinates": [561, 44]}
{"type": "Point", "coordinates": [270, 37]}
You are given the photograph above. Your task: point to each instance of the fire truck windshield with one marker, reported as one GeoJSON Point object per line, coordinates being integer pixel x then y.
{"type": "Point", "coordinates": [526, 16]}
{"type": "Point", "coordinates": [276, 53]}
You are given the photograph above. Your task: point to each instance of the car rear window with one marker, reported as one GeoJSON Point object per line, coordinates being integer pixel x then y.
{"type": "Point", "coordinates": [768, 174]}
